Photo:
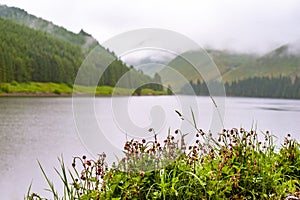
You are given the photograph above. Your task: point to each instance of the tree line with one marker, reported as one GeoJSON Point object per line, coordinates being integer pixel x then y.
{"type": "Point", "coordinates": [269, 87]}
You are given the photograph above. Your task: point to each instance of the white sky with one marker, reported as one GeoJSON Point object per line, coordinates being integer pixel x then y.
{"type": "Point", "coordinates": [240, 25]}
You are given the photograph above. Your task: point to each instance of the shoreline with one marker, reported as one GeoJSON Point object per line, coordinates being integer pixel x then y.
{"type": "Point", "coordinates": [37, 94]}
{"type": "Point", "coordinates": [50, 94]}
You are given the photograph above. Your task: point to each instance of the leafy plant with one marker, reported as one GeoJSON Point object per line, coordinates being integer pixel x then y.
{"type": "Point", "coordinates": [234, 165]}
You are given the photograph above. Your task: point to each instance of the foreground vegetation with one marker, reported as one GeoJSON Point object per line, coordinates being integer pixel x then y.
{"type": "Point", "coordinates": [237, 164]}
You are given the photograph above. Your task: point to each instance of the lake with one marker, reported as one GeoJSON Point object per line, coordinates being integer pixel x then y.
{"type": "Point", "coordinates": [43, 129]}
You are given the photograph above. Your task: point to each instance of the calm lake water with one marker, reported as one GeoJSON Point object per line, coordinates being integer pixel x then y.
{"type": "Point", "coordinates": [43, 129]}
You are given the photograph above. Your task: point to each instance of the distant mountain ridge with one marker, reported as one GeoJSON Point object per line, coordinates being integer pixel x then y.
{"type": "Point", "coordinates": [283, 61]}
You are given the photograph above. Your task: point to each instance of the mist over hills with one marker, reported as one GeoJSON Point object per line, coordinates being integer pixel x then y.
{"type": "Point", "coordinates": [234, 66]}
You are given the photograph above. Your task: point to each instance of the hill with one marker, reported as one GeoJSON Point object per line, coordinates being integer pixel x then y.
{"type": "Point", "coordinates": [30, 55]}
{"type": "Point", "coordinates": [283, 61]}
{"type": "Point", "coordinates": [180, 71]}
{"type": "Point", "coordinates": [43, 54]}
{"type": "Point", "coordinates": [22, 17]}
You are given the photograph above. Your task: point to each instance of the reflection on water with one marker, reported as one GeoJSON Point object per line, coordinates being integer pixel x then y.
{"type": "Point", "coordinates": [42, 129]}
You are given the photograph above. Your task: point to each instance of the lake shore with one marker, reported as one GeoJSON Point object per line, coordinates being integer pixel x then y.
{"type": "Point", "coordinates": [50, 94]}
{"type": "Point", "coordinates": [38, 94]}
{"type": "Point", "coordinates": [38, 89]}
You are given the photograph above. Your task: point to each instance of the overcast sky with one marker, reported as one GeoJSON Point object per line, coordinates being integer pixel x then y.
{"type": "Point", "coordinates": [248, 25]}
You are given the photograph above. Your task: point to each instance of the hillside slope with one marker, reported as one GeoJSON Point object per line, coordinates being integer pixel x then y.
{"type": "Point", "coordinates": [279, 62]}
{"type": "Point", "coordinates": [283, 61]}
{"type": "Point", "coordinates": [20, 16]}
{"type": "Point", "coordinates": [41, 54]}
{"type": "Point", "coordinates": [30, 55]}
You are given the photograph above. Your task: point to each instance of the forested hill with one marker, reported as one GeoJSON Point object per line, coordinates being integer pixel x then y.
{"type": "Point", "coordinates": [20, 16]}
{"type": "Point", "coordinates": [30, 55]}
{"type": "Point", "coordinates": [40, 55]}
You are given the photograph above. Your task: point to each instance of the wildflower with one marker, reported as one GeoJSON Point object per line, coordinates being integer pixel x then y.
{"type": "Point", "coordinates": [293, 155]}
{"type": "Point", "coordinates": [150, 129]}
{"type": "Point", "coordinates": [176, 131]}
{"type": "Point", "coordinates": [235, 185]}
{"type": "Point", "coordinates": [142, 173]}
{"type": "Point", "coordinates": [88, 163]}
{"type": "Point", "coordinates": [143, 140]}
{"type": "Point", "coordinates": [83, 157]}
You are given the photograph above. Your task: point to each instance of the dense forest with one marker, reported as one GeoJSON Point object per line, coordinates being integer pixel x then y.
{"type": "Point", "coordinates": [275, 87]}
{"type": "Point", "coordinates": [29, 55]}
{"type": "Point", "coordinates": [20, 16]}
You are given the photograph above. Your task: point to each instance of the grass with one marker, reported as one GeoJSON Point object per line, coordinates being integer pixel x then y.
{"type": "Point", "coordinates": [236, 164]}
{"type": "Point", "coordinates": [35, 87]}
{"type": "Point", "coordinates": [40, 89]}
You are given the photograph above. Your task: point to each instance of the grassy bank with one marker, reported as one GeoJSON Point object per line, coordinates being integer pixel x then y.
{"type": "Point", "coordinates": [237, 164]}
{"type": "Point", "coordinates": [61, 89]}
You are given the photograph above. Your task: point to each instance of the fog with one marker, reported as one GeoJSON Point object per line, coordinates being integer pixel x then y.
{"type": "Point", "coordinates": [250, 26]}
